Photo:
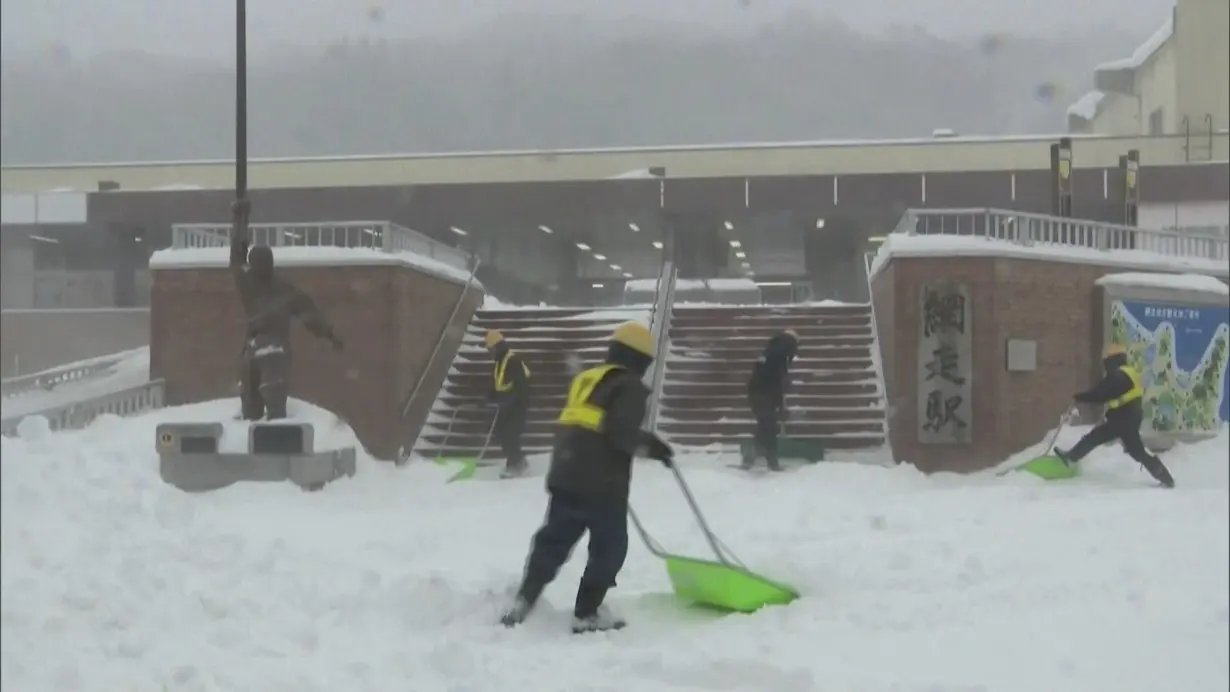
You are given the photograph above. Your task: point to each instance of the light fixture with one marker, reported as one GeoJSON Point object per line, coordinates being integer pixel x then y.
{"type": "Point", "coordinates": [657, 244]}
{"type": "Point", "coordinates": [773, 284]}
{"type": "Point", "coordinates": [735, 243]}
{"type": "Point", "coordinates": [545, 229]}
{"type": "Point", "coordinates": [730, 226]}
{"type": "Point", "coordinates": [635, 228]}
{"type": "Point", "coordinates": [741, 254]}
{"type": "Point", "coordinates": [627, 275]}
{"type": "Point", "coordinates": [583, 246]}
{"type": "Point", "coordinates": [44, 239]}
{"type": "Point", "coordinates": [136, 239]}
{"type": "Point", "coordinates": [372, 231]}
{"type": "Point", "coordinates": [747, 265]}
{"type": "Point", "coordinates": [456, 230]}
{"type": "Point", "coordinates": [876, 239]}
{"type": "Point", "coordinates": [596, 285]}
{"type": "Point", "coordinates": [819, 223]}
{"type": "Point", "coordinates": [600, 257]}
{"type": "Point", "coordinates": [616, 267]}
{"type": "Point", "coordinates": [751, 273]}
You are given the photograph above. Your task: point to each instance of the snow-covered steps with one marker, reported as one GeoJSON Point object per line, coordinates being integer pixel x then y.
{"type": "Point", "coordinates": [545, 338]}
{"type": "Point", "coordinates": [837, 399]}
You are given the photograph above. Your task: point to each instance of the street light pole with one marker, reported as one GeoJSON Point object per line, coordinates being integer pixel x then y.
{"type": "Point", "coordinates": [241, 99]}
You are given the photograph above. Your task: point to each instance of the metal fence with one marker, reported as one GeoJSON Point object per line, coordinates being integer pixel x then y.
{"type": "Point", "coordinates": [384, 236]}
{"type": "Point", "coordinates": [78, 414]}
{"type": "Point", "coordinates": [1040, 229]}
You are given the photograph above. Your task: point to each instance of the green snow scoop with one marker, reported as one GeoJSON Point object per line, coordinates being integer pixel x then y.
{"type": "Point", "coordinates": [465, 467]}
{"type": "Point", "coordinates": [723, 583]}
{"type": "Point", "coordinates": [1049, 466]}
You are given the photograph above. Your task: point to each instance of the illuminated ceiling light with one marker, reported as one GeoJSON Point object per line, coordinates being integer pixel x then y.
{"type": "Point", "coordinates": [741, 254]}
{"type": "Point", "coordinates": [773, 284]}
{"type": "Point", "coordinates": [635, 228]}
{"type": "Point", "coordinates": [751, 273]}
{"type": "Point", "coordinates": [616, 267]}
{"type": "Point", "coordinates": [735, 243]}
{"type": "Point", "coordinates": [44, 239]}
{"type": "Point", "coordinates": [657, 244]}
{"type": "Point", "coordinates": [730, 226]}
{"type": "Point", "coordinates": [456, 230]}
{"type": "Point", "coordinates": [583, 246]}
{"type": "Point", "coordinates": [819, 223]}
{"type": "Point", "coordinates": [597, 285]}
{"type": "Point", "coordinates": [876, 239]}
{"type": "Point", "coordinates": [599, 257]}
{"type": "Point", "coordinates": [545, 229]}
{"type": "Point", "coordinates": [747, 265]}
{"type": "Point", "coordinates": [627, 275]}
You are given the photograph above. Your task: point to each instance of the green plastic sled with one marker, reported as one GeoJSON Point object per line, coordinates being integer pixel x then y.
{"type": "Point", "coordinates": [1050, 468]}
{"type": "Point", "coordinates": [724, 587]}
{"type": "Point", "coordinates": [465, 468]}
{"type": "Point", "coordinates": [808, 451]}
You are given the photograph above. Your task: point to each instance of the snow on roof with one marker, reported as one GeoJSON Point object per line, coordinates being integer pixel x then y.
{"type": "Point", "coordinates": [1182, 282]}
{"type": "Point", "coordinates": [1145, 51]}
{"type": "Point", "coordinates": [905, 245]}
{"type": "Point", "coordinates": [1087, 106]}
{"type": "Point", "coordinates": [210, 257]}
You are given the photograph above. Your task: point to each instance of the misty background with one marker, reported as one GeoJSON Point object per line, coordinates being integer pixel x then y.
{"type": "Point", "coordinates": [131, 80]}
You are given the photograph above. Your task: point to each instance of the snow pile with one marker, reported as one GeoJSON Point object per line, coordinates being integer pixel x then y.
{"type": "Point", "coordinates": [1086, 107]}
{"type": "Point", "coordinates": [313, 256]}
{"type": "Point", "coordinates": [390, 581]}
{"type": "Point", "coordinates": [1181, 282]}
{"type": "Point", "coordinates": [131, 369]}
{"type": "Point", "coordinates": [1145, 50]}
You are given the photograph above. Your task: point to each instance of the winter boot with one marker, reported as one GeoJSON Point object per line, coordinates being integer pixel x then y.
{"type": "Point", "coordinates": [515, 469]}
{"type": "Point", "coordinates": [1063, 455]}
{"type": "Point", "coordinates": [523, 604]}
{"type": "Point", "coordinates": [590, 615]}
{"type": "Point", "coordinates": [773, 463]}
{"type": "Point", "coordinates": [1160, 473]}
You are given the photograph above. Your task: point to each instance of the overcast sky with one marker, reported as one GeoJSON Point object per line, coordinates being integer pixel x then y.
{"type": "Point", "coordinates": [202, 28]}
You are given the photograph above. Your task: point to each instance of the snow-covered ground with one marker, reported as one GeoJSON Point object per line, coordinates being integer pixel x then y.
{"type": "Point", "coordinates": [391, 581]}
{"type": "Point", "coordinates": [130, 369]}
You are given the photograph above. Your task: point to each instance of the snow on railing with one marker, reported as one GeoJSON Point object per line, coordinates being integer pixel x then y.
{"type": "Point", "coordinates": [1026, 228]}
{"type": "Point", "coordinates": [877, 358]}
{"type": "Point", "coordinates": [660, 322]}
{"type": "Point", "coordinates": [63, 375]}
{"type": "Point", "coordinates": [78, 414]}
{"type": "Point", "coordinates": [377, 235]}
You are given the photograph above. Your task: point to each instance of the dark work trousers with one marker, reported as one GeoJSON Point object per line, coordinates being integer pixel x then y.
{"type": "Point", "coordinates": [509, 428]}
{"type": "Point", "coordinates": [568, 517]}
{"type": "Point", "coordinates": [1127, 431]}
{"type": "Point", "coordinates": [262, 387]}
{"type": "Point", "coordinates": [767, 413]}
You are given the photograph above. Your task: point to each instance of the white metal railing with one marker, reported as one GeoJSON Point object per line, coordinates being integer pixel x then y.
{"type": "Point", "coordinates": [78, 414]}
{"type": "Point", "coordinates": [1041, 229]}
{"type": "Point", "coordinates": [384, 236]}
{"type": "Point", "coordinates": [660, 324]}
{"type": "Point", "coordinates": [56, 377]}
{"type": "Point", "coordinates": [877, 358]}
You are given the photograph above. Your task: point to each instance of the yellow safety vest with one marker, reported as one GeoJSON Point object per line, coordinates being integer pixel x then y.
{"type": "Point", "coordinates": [1132, 394]}
{"type": "Point", "coordinates": [578, 412]}
{"type": "Point", "coordinates": [502, 384]}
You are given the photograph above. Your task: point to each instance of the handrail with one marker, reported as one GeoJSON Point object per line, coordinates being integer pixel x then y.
{"type": "Point", "coordinates": [664, 300]}
{"type": "Point", "coordinates": [877, 357]}
{"type": "Point", "coordinates": [440, 339]}
{"type": "Point", "coordinates": [69, 373]}
{"type": "Point", "coordinates": [78, 414]}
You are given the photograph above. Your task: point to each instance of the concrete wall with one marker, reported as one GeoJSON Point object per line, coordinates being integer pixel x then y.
{"type": "Point", "coordinates": [35, 340]}
{"type": "Point", "coordinates": [1203, 62]}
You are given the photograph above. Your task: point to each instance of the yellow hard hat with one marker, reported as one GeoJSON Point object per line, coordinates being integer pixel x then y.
{"type": "Point", "coordinates": [1114, 350]}
{"type": "Point", "coordinates": [635, 336]}
{"type": "Point", "coordinates": [493, 337]}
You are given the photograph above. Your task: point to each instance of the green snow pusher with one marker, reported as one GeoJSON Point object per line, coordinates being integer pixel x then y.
{"type": "Point", "coordinates": [465, 467]}
{"type": "Point", "coordinates": [723, 583]}
{"type": "Point", "coordinates": [1049, 466]}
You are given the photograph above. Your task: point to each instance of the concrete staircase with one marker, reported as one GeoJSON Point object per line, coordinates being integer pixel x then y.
{"type": "Point", "coordinates": [543, 337]}
{"type": "Point", "coordinates": [837, 398]}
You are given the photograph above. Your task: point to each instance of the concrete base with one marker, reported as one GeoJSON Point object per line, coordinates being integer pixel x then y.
{"type": "Point", "coordinates": [190, 459]}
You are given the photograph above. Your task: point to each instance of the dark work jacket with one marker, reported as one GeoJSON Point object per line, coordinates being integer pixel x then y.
{"type": "Point", "coordinates": [596, 466]}
{"type": "Point", "coordinates": [516, 398]}
{"type": "Point", "coordinates": [771, 374]}
{"type": "Point", "coordinates": [1113, 385]}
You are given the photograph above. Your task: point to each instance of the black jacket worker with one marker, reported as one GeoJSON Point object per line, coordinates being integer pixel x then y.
{"type": "Point", "coordinates": [597, 435]}
{"type": "Point", "coordinates": [766, 393]}
{"type": "Point", "coordinates": [1121, 392]}
{"type": "Point", "coordinates": [510, 390]}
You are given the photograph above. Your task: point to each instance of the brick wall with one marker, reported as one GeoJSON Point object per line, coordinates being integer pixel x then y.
{"type": "Point", "coordinates": [389, 316]}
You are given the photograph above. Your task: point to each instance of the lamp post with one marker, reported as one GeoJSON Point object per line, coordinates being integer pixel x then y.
{"type": "Point", "coordinates": [241, 99]}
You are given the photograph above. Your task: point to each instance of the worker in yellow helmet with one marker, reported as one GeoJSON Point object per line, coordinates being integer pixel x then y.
{"type": "Point", "coordinates": [510, 390]}
{"type": "Point", "coordinates": [597, 435]}
{"type": "Point", "coordinates": [1121, 392]}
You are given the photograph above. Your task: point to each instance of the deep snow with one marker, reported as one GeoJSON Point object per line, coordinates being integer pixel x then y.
{"type": "Point", "coordinates": [391, 581]}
